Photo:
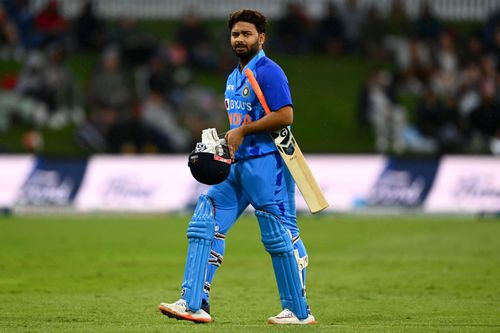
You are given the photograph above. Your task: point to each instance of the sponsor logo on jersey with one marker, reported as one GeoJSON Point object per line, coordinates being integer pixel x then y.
{"type": "Point", "coordinates": [230, 87]}
{"type": "Point", "coordinates": [234, 104]}
{"type": "Point", "coordinates": [237, 119]}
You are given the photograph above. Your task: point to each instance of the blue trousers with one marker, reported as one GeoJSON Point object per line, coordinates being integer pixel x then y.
{"type": "Point", "coordinates": [264, 183]}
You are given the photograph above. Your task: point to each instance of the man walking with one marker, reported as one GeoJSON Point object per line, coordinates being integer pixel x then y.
{"type": "Point", "coordinates": [258, 178]}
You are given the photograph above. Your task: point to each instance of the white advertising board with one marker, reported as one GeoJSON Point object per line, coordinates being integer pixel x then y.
{"type": "Point", "coordinates": [165, 183]}
{"type": "Point", "coordinates": [137, 183]}
{"type": "Point", "coordinates": [13, 173]}
{"type": "Point", "coordinates": [463, 184]}
{"type": "Point", "coordinates": [466, 185]}
{"type": "Point", "coordinates": [345, 180]}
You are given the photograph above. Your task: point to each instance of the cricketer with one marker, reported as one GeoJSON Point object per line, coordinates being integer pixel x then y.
{"type": "Point", "coordinates": [258, 177]}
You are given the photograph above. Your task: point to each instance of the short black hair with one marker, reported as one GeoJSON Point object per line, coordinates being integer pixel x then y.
{"type": "Point", "coordinates": [250, 16]}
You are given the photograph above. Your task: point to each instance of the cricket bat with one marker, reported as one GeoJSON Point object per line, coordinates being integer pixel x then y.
{"type": "Point", "coordinates": [292, 156]}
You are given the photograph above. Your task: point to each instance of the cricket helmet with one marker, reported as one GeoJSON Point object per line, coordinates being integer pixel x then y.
{"type": "Point", "coordinates": [210, 165]}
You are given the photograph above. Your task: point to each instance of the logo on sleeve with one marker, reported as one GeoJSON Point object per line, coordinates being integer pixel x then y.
{"type": "Point", "coordinates": [246, 91]}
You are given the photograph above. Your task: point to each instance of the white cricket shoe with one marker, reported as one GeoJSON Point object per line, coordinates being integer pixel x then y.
{"type": "Point", "coordinates": [287, 317]}
{"type": "Point", "coordinates": [179, 311]}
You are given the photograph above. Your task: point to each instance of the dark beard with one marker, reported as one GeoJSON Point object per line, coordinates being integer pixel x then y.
{"type": "Point", "coordinates": [248, 55]}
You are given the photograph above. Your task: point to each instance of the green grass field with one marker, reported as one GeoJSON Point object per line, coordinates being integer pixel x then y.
{"type": "Point", "coordinates": [367, 274]}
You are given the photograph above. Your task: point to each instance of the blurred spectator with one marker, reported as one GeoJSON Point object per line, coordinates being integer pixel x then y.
{"type": "Point", "coordinates": [135, 44]}
{"type": "Point", "coordinates": [491, 25]}
{"type": "Point", "coordinates": [485, 119]}
{"type": "Point", "coordinates": [429, 114]}
{"type": "Point", "coordinates": [51, 24]}
{"type": "Point", "coordinates": [110, 99]}
{"type": "Point", "coordinates": [397, 30]}
{"type": "Point", "coordinates": [196, 39]}
{"type": "Point", "coordinates": [363, 102]}
{"type": "Point", "coordinates": [17, 109]}
{"type": "Point", "coordinates": [495, 144]}
{"type": "Point", "coordinates": [353, 17]}
{"type": "Point", "coordinates": [330, 31]}
{"type": "Point", "coordinates": [440, 121]}
{"type": "Point", "coordinates": [444, 80]}
{"type": "Point", "coordinates": [61, 81]}
{"type": "Point", "coordinates": [372, 34]}
{"type": "Point", "coordinates": [26, 101]}
{"type": "Point", "coordinates": [473, 49]}
{"type": "Point", "coordinates": [158, 114]}
{"type": "Point", "coordinates": [156, 74]}
{"type": "Point", "coordinates": [10, 45]}
{"type": "Point", "coordinates": [414, 64]}
{"type": "Point", "coordinates": [226, 61]}
{"type": "Point", "coordinates": [24, 19]}
{"type": "Point", "coordinates": [88, 28]}
{"type": "Point", "coordinates": [446, 55]}
{"type": "Point", "coordinates": [385, 114]}
{"type": "Point", "coordinates": [155, 86]}
{"type": "Point", "coordinates": [181, 73]}
{"type": "Point", "coordinates": [428, 26]}
{"type": "Point", "coordinates": [200, 109]}
{"type": "Point", "coordinates": [134, 136]}
{"type": "Point", "coordinates": [398, 23]}
{"type": "Point", "coordinates": [293, 31]}
{"type": "Point", "coordinates": [494, 48]}
{"type": "Point", "coordinates": [32, 81]}
{"type": "Point", "coordinates": [109, 85]}
{"type": "Point", "coordinates": [488, 68]}
{"type": "Point", "coordinates": [469, 96]}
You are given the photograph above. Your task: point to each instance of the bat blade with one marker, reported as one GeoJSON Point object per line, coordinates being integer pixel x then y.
{"type": "Point", "coordinates": [297, 165]}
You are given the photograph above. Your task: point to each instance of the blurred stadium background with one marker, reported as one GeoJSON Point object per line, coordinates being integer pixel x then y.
{"type": "Point", "coordinates": [397, 110]}
{"type": "Point", "coordinates": [396, 101]}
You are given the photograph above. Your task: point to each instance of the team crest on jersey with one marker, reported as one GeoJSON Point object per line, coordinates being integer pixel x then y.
{"type": "Point", "coordinates": [246, 91]}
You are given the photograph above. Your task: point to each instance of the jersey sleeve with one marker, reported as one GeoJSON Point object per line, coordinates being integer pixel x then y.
{"type": "Point", "coordinates": [274, 85]}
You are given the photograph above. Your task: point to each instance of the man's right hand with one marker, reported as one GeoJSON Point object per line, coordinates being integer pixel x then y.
{"type": "Point", "coordinates": [234, 138]}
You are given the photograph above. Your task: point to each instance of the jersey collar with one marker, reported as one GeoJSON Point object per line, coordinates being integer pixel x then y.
{"type": "Point", "coordinates": [252, 62]}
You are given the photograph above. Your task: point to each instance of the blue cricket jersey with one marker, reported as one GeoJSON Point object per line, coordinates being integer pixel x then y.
{"type": "Point", "coordinates": [243, 106]}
